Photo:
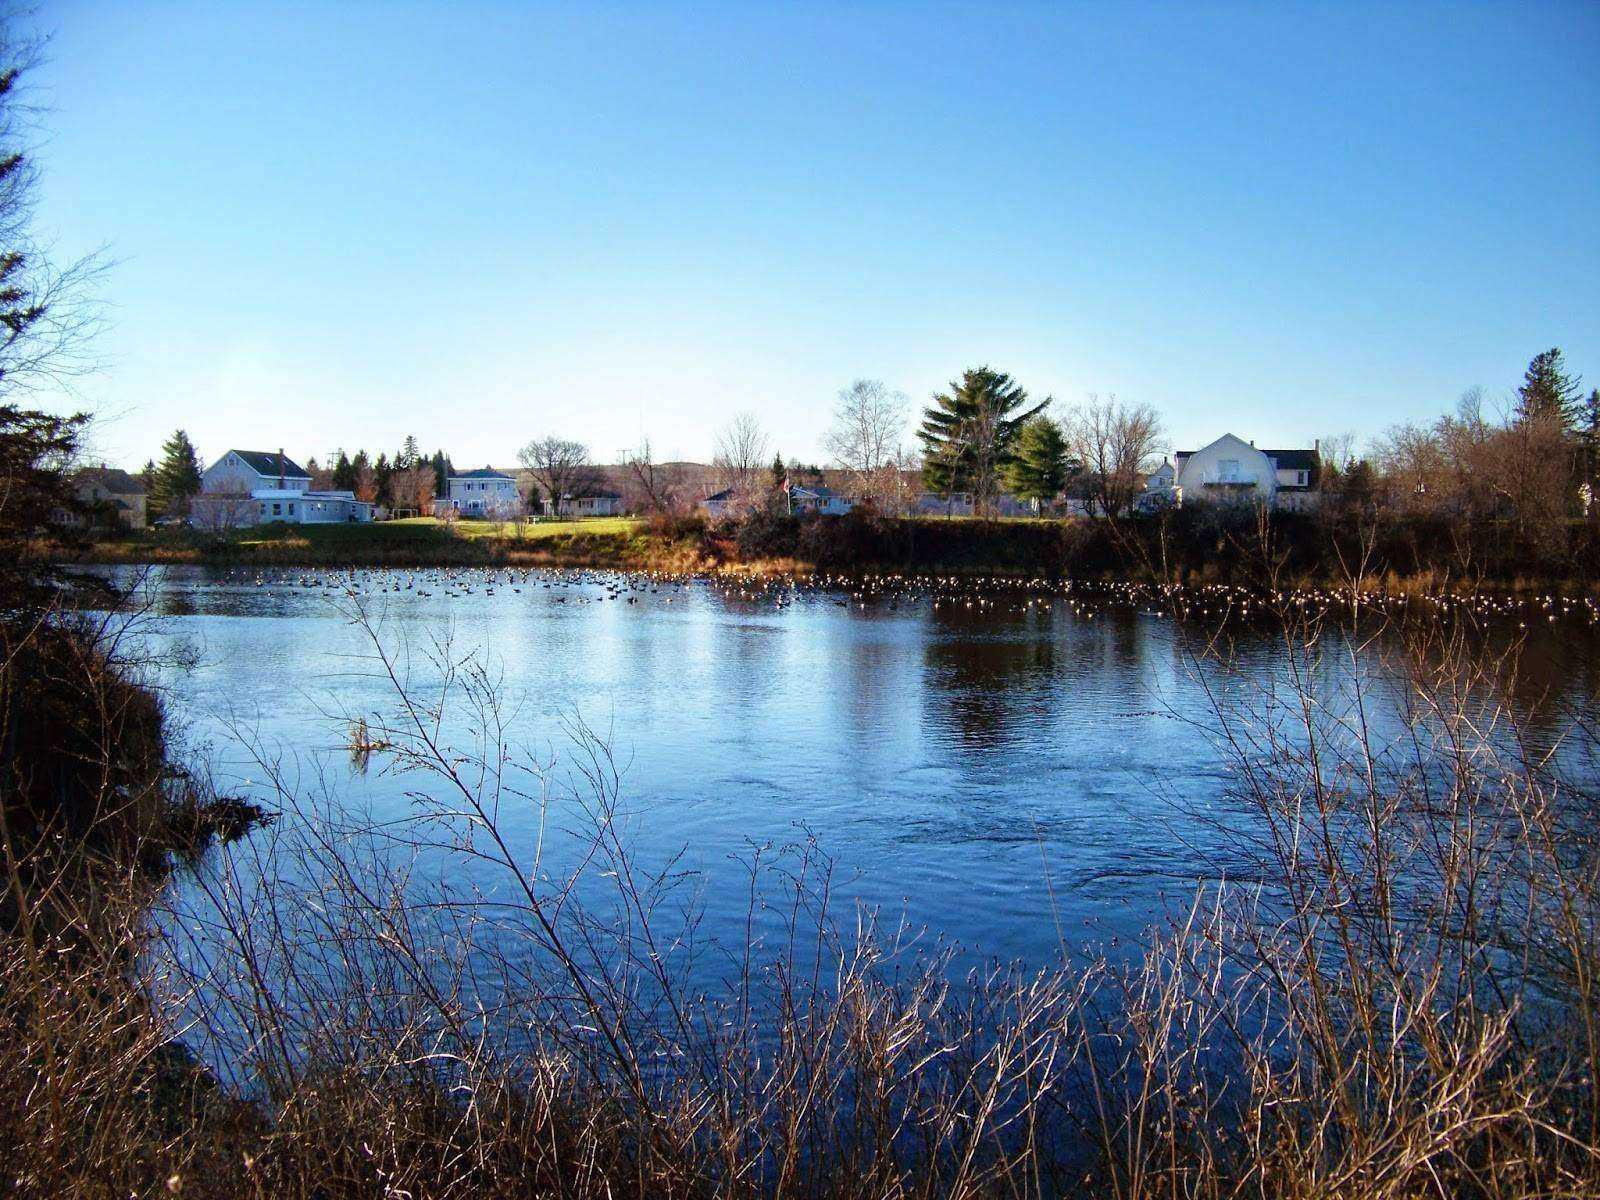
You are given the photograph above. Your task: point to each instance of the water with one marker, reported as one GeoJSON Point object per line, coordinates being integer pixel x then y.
{"type": "Point", "coordinates": [1009, 769]}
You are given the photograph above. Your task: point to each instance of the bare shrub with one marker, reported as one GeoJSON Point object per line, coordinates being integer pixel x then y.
{"type": "Point", "coordinates": [1388, 992]}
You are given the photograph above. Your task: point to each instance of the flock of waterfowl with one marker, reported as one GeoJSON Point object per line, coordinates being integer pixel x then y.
{"type": "Point", "coordinates": [947, 593]}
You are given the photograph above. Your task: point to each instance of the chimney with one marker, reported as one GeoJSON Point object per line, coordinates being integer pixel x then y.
{"type": "Point", "coordinates": [281, 483]}
{"type": "Point", "coordinates": [1316, 447]}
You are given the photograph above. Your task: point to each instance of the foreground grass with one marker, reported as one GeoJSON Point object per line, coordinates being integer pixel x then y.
{"type": "Point", "coordinates": [1350, 1024]}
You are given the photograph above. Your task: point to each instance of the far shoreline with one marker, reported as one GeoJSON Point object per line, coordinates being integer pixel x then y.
{"type": "Point", "coordinates": [1004, 551]}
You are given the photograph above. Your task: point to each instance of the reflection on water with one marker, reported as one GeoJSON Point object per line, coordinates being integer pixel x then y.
{"type": "Point", "coordinates": [996, 767]}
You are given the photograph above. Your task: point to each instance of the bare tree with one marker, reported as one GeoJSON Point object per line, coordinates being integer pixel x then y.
{"type": "Point", "coordinates": [658, 485]}
{"type": "Point", "coordinates": [222, 512]}
{"type": "Point", "coordinates": [49, 315]}
{"type": "Point", "coordinates": [741, 460]}
{"type": "Point", "coordinates": [865, 439]}
{"type": "Point", "coordinates": [1114, 442]}
{"type": "Point", "coordinates": [1337, 451]}
{"type": "Point", "coordinates": [557, 466]}
{"type": "Point", "coordinates": [413, 489]}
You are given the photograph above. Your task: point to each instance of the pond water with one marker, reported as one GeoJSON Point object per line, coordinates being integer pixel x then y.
{"type": "Point", "coordinates": [1006, 767]}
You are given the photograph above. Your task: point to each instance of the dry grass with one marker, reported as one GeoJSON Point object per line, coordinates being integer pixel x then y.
{"type": "Point", "coordinates": [1401, 1000]}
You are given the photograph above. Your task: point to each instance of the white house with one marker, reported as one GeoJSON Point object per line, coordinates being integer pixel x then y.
{"type": "Point", "coordinates": [592, 504]}
{"type": "Point", "coordinates": [254, 487]}
{"type": "Point", "coordinates": [485, 493]}
{"type": "Point", "coordinates": [1231, 470]}
{"type": "Point", "coordinates": [964, 504]}
{"type": "Point", "coordinates": [818, 499]}
{"type": "Point", "coordinates": [240, 472]}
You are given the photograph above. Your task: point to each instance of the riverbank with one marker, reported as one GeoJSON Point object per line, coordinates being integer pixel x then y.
{"type": "Point", "coordinates": [1185, 547]}
{"type": "Point", "coordinates": [369, 1032]}
{"type": "Point", "coordinates": [610, 542]}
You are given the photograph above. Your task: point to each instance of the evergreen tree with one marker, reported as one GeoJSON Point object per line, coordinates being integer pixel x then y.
{"type": "Point", "coordinates": [383, 482]}
{"type": "Point", "coordinates": [779, 471]}
{"type": "Point", "coordinates": [1038, 469]}
{"type": "Point", "coordinates": [441, 474]}
{"type": "Point", "coordinates": [344, 474]}
{"type": "Point", "coordinates": [409, 455]}
{"type": "Point", "coordinates": [177, 479]}
{"type": "Point", "coordinates": [1547, 390]}
{"type": "Point", "coordinates": [147, 477]}
{"type": "Point", "coordinates": [35, 450]}
{"type": "Point", "coordinates": [967, 433]}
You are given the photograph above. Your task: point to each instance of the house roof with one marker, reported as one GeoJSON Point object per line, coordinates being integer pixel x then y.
{"type": "Point", "coordinates": [265, 464]}
{"type": "Point", "coordinates": [113, 479]}
{"type": "Point", "coordinates": [821, 493]}
{"type": "Point", "coordinates": [481, 473]}
{"type": "Point", "coordinates": [722, 495]}
{"type": "Point", "coordinates": [1294, 460]}
{"type": "Point", "coordinates": [592, 494]}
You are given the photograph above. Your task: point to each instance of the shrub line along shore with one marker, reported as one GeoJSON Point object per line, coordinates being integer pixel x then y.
{"type": "Point", "coordinates": [1408, 557]}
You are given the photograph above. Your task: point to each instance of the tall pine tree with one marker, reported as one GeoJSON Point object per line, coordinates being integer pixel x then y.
{"type": "Point", "coordinates": [1548, 391]}
{"type": "Point", "coordinates": [967, 433]}
{"type": "Point", "coordinates": [344, 474]}
{"type": "Point", "coordinates": [177, 479]}
{"type": "Point", "coordinates": [383, 482]}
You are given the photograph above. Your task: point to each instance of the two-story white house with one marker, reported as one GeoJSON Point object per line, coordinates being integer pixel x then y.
{"type": "Point", "coordinates": [1231, 470]}
{"type": "Point", "coordinates": [255, 487]}
{"type": "Point", "coordinates": [483, 493]}
{"type": "Point", "coordinates": [244, 471]}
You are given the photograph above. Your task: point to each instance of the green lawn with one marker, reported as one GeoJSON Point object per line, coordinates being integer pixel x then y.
{"type": "Point", "coordinates": [534, 530]}
{"type": "Point", "coordinates": [418, 541]}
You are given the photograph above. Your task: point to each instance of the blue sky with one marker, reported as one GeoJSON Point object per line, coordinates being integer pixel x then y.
{"type": "Point", "coordinates": [481, 223]}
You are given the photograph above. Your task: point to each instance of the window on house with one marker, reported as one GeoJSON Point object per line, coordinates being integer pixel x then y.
{"type": "Point", "coordinates": [291, 510]}
{"type": "Point", "coordinates": [1228, 470]}
{"type": "Point", "coordinates": [277, 510]}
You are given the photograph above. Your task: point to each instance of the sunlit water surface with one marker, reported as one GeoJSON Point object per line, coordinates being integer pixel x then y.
{"type": "Point", "coordinates": [1007, 769]}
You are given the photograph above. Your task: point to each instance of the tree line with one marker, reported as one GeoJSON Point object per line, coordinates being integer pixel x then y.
{"type": "Point", "coordinates": [983, 436]}
{"type": "Point", "coordinates": [406, 481]}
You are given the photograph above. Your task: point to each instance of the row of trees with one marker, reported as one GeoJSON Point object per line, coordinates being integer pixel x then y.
{"type": "Point", "coordinates": [1533, 463]}
{"type": "Point", "coordinates": [985, 436]}
{"type": "Point", "coordinates": [982, 436]}
{"type": "Point", "coordinates": [405, 483]}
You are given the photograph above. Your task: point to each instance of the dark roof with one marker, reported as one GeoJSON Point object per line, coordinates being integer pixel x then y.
{"type": "Point", "coordinates": [481, 473]}
{"type": "Point", "coordinates": [593, 494]}
{"type": "Point", "coordinates": [722, 495]}
{"type": "Point", "coordinates": [1294, 460]}
{"type": "Point", "coordinates": [820, 492]}
{"type": "Point", "coordinates": [1287, 460]}
{"type": "Point", "coordinates": [265, 464]}
{"type": "Point", "coordinates": [113, 479]}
